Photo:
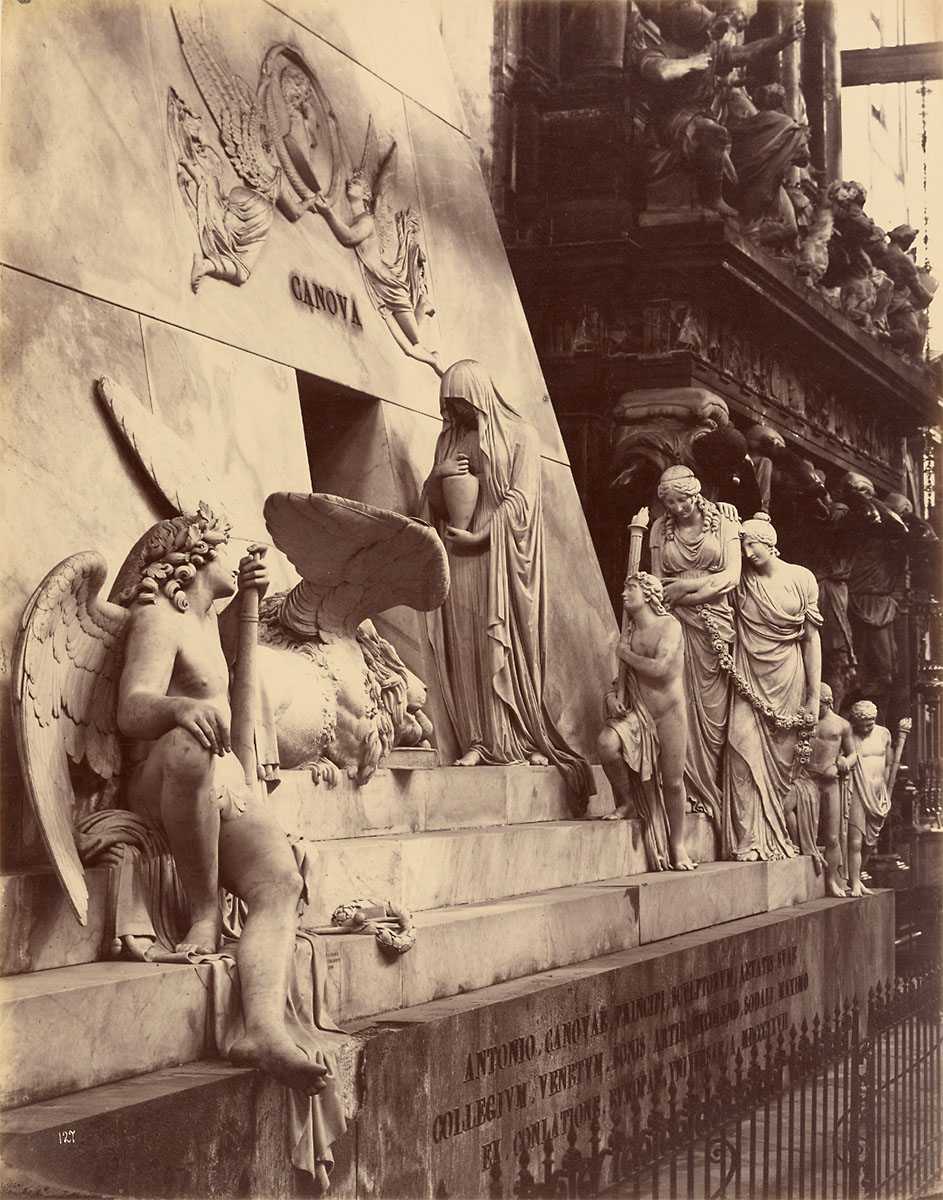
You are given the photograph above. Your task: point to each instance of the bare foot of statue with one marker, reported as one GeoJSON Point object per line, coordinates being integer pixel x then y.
{"type": "Point", "coordinates": [131, 946]}
{"type": "Point", "coordinates": [750, 856]}
{"type": "Point", "coordinates": [835, 890]}
{"type": "Point", "coordinates": [858, 889]}
{"type": "Point", "coordinates": [681, 860]}
{"type": "Point", "coordinates": [203, 935]}
{"type": "Point", "coordinates": [197, 272]}
{"type": "Point", "coordinates": [721, 208]}
{"type": "Point", "coordinates": [539, 760]}
{"type": "Point", "coordinates": [471, 759]}
{"type": "Point", "coordinates": [619, 813]}
{"type": "Point", "coordinates": [282, 1059]}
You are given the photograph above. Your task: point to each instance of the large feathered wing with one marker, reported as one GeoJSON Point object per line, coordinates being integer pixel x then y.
{"type": "Point", "coordinates": [234, 107]}
{"type": "Point", "coordinates": [355, 561]}
{"type": "Point", "coordinates": [176, 471]}
{"type": "Point", "coordinates": [67, 664]}
{"type": "Point", "coordinates": [384, 214]}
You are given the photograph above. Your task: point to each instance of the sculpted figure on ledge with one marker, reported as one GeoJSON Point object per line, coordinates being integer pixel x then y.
{"type": "Point", "coordinates": [643, 744]}
{"type": "Point", "coordinates": [387, 245]}
{"type": "Point", "coordinates": [695, 552]}
{"type": "Point", "coordinates": [489, 638]}
{"type": "Point", "coordinates": [777, 673]}
{"type": "Point", "coordinates": [149, 664]}
{"type": "Point", "coordinates": [869, 797]}
{"type": "Point", "coordinates": [338, 695]}
{"type": "Point", "coordinates": [682, 80]}
{"type": "Point", "coordinates": [832, 757]}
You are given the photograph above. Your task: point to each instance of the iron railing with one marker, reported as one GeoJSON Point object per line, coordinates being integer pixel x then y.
{"type": "Point", "coordinates": [839, 1108]}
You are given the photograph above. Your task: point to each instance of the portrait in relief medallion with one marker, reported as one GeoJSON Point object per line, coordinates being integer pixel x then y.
{"type": "Point", "coordinates": [281, 140]}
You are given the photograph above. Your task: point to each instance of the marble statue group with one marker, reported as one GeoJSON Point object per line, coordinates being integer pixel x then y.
{"type": "Point", "coordinates": [734, 660]}
{"type": "Point", "coordinates": [721, 670]}
{"type": "Point", "coordinates": [714, 140]}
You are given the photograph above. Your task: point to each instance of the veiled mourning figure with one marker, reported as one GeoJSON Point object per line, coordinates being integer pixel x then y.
{"type": "Point", "coordinates": [489, 638]}
{"type": "Point", "coordinates": [776, 702]}
{"type": "Point", "coordinates": [696, 553]}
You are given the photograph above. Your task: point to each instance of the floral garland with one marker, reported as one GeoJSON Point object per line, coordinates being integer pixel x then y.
{"type": "Point", "coordinates": [803, 721]}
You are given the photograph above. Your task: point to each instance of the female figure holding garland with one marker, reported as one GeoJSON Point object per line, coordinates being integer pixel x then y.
{"type": "Point", "coordinates": [696, 554]}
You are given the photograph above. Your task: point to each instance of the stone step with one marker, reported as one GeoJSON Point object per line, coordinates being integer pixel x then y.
{"type": "Point", "coordinates": [470, 866]}
{"type": "Point", "coordinates": [76, 1027]}
{"type": "Point", "coordinates": [417, 870]}
{"type": "Point", "coordinates": [414, 801]}
{"type": "Point", "coordinates": [209, 1129]}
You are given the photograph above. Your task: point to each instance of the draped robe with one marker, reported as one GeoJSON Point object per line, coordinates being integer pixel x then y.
{"type": "Point", "coordinates": [638, 744]}
{"type": "Point", "coordinates": [706, 686]}
{"type": "Point", "coordinates": [770, 616]}
{"type": "Point", "coordinates": [874, 799]}
{"type": "Point", "coordinates": [489, 638]}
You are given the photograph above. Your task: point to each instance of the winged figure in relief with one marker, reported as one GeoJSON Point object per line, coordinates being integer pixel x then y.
{"type": "Point", "coordinates": [387, 243]}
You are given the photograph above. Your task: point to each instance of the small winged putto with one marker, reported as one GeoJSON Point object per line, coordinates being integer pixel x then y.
{"type": "Point", "coordinates": [387, 244]}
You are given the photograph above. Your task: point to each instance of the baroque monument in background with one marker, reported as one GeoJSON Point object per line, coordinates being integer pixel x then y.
{"type": "Point", "coordinates": [510, 754]}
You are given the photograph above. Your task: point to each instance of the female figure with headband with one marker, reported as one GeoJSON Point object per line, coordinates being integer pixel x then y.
{"type": "Point", "coordinates": [778, 658]}
{"type": "Point", "coordinates": [696, 554]}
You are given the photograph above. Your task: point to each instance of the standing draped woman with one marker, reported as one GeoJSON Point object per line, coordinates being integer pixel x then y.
{"type": "Point", "coordinates": [779, 658]}
{"type": "Point", "coordinates": [696, 553]}
{"type": "Point", "coordinates": [489, 638]}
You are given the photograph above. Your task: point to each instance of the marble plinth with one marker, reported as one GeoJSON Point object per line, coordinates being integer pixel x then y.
{"type": "Point", "coordinates": [146, 1017]}
{"type": "Point", "coordinates": [207, 1129]}
{"type": "Point", "coordinates": [498, 1072]}
{"type": "Point", "coordinates": [75, 1027]}
{"type": "Point", "coordinates": [421, 871]}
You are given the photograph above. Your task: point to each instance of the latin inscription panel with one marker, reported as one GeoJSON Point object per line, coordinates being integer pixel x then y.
{"type": "Point", "coordinates": [552, 1060]}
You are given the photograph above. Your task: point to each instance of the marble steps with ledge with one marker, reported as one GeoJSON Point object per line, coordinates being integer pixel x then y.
{"type": "Point", "coordinates": [419, 870]}
{"type": "Point", "coordinates": [403, 799]}
{"type": "Point", "coordinates": [71, 1028]}
{"type": "Point", "coordinates": [40, 932]}
{"type": "Point", "coordinates": [174, 1132]}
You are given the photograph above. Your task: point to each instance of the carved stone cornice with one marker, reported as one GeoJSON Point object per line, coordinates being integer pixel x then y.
{"type": "Point", "coordinates": [707, 262]}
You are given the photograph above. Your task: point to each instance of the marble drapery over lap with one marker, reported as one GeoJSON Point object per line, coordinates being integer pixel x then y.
{"type": "Point", "coordinates": [770, 617]}
{"type": "Point", "coordinates": [706, 686]}
{"type": "Point", "coordinates": [489, 638]}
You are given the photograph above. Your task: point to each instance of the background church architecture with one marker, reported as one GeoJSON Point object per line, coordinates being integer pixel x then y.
{"type": "Point", "coordinates": [625, 275]}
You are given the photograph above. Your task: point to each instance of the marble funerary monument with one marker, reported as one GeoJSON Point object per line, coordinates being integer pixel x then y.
{"type": "Point", "coordinates": [304, 885]}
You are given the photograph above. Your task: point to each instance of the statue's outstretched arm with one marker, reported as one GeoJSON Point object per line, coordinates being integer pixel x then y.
{"type": "Point", "coordinates": [347, 235]}
{"type": "Point", "coordinates": [743, 55]}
